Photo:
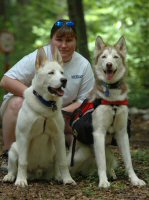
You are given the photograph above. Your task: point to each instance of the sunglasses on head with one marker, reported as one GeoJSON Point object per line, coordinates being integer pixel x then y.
{"type": "Point", "coordinates": [61, 23]}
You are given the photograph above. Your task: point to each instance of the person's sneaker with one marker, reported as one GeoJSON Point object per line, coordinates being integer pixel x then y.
{"type": "Point", "coordinates": [4, 162]}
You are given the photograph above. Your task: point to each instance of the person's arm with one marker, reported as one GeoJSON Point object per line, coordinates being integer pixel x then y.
{"type": "Point", "coordinates": [14, 86]}
{"type": "Point", "coordinates": [19, 77]}
{"type": "Point", "coordinates": [85, 87]}
{"type": "Point", "coordinates": [72, 107]}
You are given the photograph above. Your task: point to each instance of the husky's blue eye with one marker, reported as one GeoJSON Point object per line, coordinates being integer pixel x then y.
{"type": "Point", "coordinates": [115, 56]}
{"type": "Point", "coordinates": [103, 56]}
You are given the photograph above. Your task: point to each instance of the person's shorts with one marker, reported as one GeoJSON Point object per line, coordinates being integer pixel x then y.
{"type": "Point", "coordinates": [4, 106]}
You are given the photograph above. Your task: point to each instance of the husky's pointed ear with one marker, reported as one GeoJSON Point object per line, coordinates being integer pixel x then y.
{"type": "Point", "coordinates": [57, 56]}
{"type": "Point", "coordinates": [121, 46]}
{"type": "Point", "coordinates": [41, 58]}
{"type": "Point", "coordinates": [99, 46]}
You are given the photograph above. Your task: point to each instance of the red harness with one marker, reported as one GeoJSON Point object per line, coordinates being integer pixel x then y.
{"type": "Point", "coordinates": [106, 102]}
{"type": "Point", "coordinates": [86, 108]}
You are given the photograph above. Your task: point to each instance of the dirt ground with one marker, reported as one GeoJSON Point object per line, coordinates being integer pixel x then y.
{"type": "Point", "coordinates": [87, 188]}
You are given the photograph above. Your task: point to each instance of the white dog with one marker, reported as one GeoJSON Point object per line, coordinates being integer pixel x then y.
{"type": "Point", "coordinates": [40, 145]}
{"type": "Point", "coordinates": [110, 117]}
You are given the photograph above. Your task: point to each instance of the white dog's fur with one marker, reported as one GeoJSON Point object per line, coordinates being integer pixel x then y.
{"type": "Point", "coordinates": [40, 145]}
{"type": "Point", "coordinates": [110, 70]}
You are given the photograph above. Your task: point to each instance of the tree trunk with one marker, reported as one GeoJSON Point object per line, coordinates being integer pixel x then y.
{"type": "Point", "coordinates": [3, 10]}
{"type": "Point", "coordinates": [76, 13]}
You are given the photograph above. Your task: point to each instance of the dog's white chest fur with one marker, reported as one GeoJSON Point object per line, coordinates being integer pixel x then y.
{"type": "Point", "coordinates": [39, 151]}
{"type": "Point", "coordinates": [110, 119]}
{"type": "Point", "coordinates": [111, 116]}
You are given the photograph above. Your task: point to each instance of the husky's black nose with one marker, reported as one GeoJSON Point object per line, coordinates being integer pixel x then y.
{"type": "Point", "coordinates": [63, 81]}
{"type": "Point", "coordinates": [109, 65]}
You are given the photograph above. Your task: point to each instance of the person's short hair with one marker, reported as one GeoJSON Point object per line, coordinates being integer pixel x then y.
{"type": "Point", "coordinates": [63, 27]}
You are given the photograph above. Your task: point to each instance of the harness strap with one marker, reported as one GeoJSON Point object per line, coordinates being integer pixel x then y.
{"type": "Point", "coordinates": [85, 107]}
{"type": "Point", "coordinates": [106, 102]}
{"type": "Point", "coordinates": [115, 109]}
{"type": "Point", "coordinates": [90, 106]}
{"type": "Point", "coordinates": [73, 151]}
{"type": "Point", "coordinates": [44, 124]}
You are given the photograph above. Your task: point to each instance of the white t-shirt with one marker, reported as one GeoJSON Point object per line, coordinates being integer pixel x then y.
{"type": "Point", "coordinates": [78, 71]}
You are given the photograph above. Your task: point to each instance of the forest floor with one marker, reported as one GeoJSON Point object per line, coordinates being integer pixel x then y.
{"type": "Point", "coordinates": [87, 188]}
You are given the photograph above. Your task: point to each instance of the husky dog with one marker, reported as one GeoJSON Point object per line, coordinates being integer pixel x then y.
{"type": "Point", "coordinates": [110, 117]}
{"type": "Point", "coordinates": [39, 151]}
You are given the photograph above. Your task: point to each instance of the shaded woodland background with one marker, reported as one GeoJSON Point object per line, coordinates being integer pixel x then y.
{"type": "Point", "coordinates": [30, 22]}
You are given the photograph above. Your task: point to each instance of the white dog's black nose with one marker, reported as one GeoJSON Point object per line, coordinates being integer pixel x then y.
{"type": "Point", "coordinates": [63, 81]}
{"type": "Point", "coordinates": [109, 65]}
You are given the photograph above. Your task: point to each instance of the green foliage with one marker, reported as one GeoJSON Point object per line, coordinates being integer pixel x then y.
{"type": "Point", "coordinates": [31, 22]}
{"type": "Point", "coordinates": [139, 98]}
{"type": "Point", "coordinates": [88, 191]}
{"type": "Point", "coordinates": [141, 156]}
{"type": "Point", "coordinates": [111, 19]}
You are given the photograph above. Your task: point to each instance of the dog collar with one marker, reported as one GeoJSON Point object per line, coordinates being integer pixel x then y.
{"type": "Point", "coordinates": [117, 103]}
{"type": "Point", "coordinates": [50, 104]}
{"type": "Point", "coordinates": [110, 86]}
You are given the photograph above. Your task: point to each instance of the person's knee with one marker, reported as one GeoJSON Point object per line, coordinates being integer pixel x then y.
{"type": "Point", "coordinates": [15, 104]}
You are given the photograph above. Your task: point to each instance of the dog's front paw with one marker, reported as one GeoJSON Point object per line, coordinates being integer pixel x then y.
{"type": "Point", "coordinates": [21, 182]}
{"type": "Point", "coordinates": [9, 178]}
{"type": "Point", "coordinates": [58, 179]}
{"type": "Point", "coordinates": [104, 184]}
{"type": "Point", "coordinates": [58, 176]}
{"type": "Point", "coordinates": [69, 181]}
{"type": "Point", "coordinates": [137, 182]}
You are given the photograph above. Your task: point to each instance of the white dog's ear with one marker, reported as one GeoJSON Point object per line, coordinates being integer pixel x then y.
{"type": "Point", "coordinates": [99, 46]}
{"type": "Point", "coordinates": [41, 58]}
{"type": "Point", "coordinates": [121, 46]}
{"type": "Point", "coordinates": [57, 56]}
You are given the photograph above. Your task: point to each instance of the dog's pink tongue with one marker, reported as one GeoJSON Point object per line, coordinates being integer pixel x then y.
{"type": "Point", "coordinates": [60, 92]}
{"type": "Point", "coordinates": [109, 76]}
